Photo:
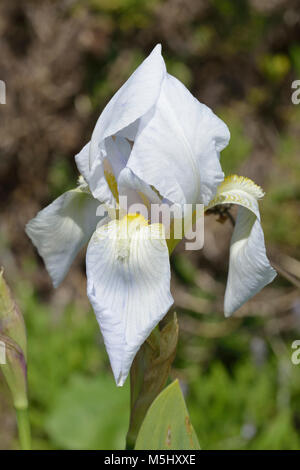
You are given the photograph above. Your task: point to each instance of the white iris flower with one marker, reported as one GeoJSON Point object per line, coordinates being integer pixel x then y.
{"type": "Point", "coordinates": [154, 142]}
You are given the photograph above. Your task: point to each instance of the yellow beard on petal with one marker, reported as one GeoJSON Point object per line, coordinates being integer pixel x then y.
{"type": "Point", "coordinates": [236, 190]}
{"type": "Point", "coordinates": [127, 228]}
{"type": "Point", "coordinates": [242, 183]}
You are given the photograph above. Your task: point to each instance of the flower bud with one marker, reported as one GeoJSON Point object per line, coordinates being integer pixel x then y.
{"type": "Point", "coordinates": [13, 346]}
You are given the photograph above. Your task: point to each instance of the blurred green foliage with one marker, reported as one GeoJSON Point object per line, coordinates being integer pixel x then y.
{"type": "Point", "coordinates": [90, 413]}
{"type": "Point", "coordinates": [240, 148]}
{"type": "Point", "coordinates": [74, 400]}
{"type": "Point", "coordinates": [243, 400]}
{"type": "Point", "coordinates": [248, 409]}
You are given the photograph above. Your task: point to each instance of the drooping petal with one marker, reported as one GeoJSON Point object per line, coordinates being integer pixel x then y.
{"type": "Point", "coordinates": [61, 229]}
{"type": "Point", "coordinates": [133, 100]}
{"type": "Point", "coordinates": [249, 267]}
{"type": "Point", "coordinates": [238, 190]}
{"type": "Point", "coordinates": [177, 146]}
{"type": "Point", "coordinates": [128, 275]}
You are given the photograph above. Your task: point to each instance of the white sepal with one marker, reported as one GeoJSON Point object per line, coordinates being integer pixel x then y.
{"type": "Point", "coordinates": [249, 267]}
{"type": "Point", "coordinates": [61, 229]}
{"type": "Point", "coordinates": [128, 275]}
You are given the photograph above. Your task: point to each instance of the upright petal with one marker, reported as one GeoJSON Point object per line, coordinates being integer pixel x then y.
{"type": "Point", "coordinates": [61, 229]}
{"type": "Point", "coordinates": [249, 267]}
{"type": "Point", "coordinates": [82, 161]}
{"type": "Point", "coordinates": [133, 100]}
{"type": "Point", "coordinates": [128, 275]}
{"type": "Point", "coordinates": [177, 146]}
{"type": "Point", "coordinates": [118, 150]}
{"type": "Point", "coordinates": [97, 180]}
{"type": "Point", "coordinates": [137, 191]}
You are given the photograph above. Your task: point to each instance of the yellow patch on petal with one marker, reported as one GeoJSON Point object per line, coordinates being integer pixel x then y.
{"type": "Point", "coordinates": [82, 185]}
{"type": "Point", "coordinates": [134, 221]}
{"type": "Point", "coordinates": [128, 231]}
{"type": "Point", "coordinates": [242, 183]}
{"type": "Point", "coordinates": [128, 227]}
{"type": "Point", "coordinates": [112, 183]}
{"type": "Point", "coordinates": [237, 190]}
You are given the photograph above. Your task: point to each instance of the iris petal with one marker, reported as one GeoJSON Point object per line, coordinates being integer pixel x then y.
{"type": "Point", "coordinates": [61, 229]}
{"type": "Point", "coordinates": [249, 267]}
{"type": "Point", "coordinates": [134, 99]}
{"type": "Point", "coordinates": [177, 146]}
{"type": "Point", "coordinates": [128, 275]}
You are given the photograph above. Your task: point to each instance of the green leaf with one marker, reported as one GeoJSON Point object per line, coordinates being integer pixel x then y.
{"type": "Point", "coordinates": [167, 424]}
{"type": "Point", "coordinates": [90, 413]}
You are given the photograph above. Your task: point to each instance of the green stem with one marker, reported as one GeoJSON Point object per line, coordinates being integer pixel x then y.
{"type": "Point", "coordinates": [23, 428]}
{"type": "Point", "coordinates": [149, 372]}
{"type": "Point", "coordinates": [139, 401]}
